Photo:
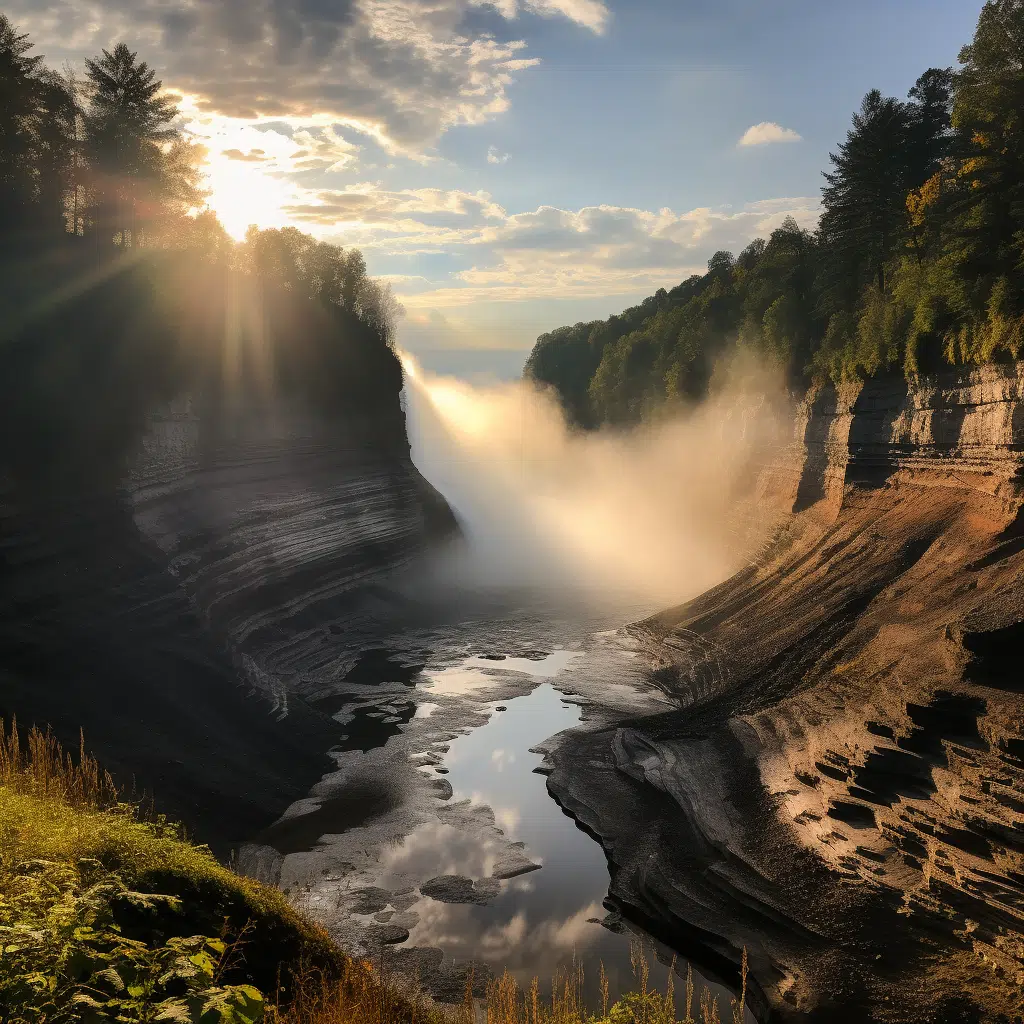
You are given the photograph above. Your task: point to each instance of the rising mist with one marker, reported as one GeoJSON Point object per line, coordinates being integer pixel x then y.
{"type": "Point", "coordinates": [656, 513]}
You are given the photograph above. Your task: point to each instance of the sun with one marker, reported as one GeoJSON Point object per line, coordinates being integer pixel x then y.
{"type": "Point", "coordinates": [245, 170]}
{"type": "Point", "coordinates": [242, 194]}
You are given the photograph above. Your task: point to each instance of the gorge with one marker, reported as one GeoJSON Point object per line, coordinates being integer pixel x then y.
{"type": "Point", "coordinates": [823, 749]}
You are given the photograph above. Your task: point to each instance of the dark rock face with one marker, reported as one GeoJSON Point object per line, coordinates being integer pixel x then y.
{"type": "Point", "coordinates": [842, 792]}
{"type": "Point", "coordinates": [177, 618]}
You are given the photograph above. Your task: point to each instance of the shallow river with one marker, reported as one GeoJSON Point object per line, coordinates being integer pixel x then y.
{"type": "Point", "coordinates": [436, 844]}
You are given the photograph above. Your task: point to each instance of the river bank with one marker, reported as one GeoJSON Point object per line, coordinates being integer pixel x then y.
{"type": "Point", "coordinates": [840, 792]}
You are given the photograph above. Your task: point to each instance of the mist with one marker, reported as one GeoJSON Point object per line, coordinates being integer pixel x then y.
{"type": "Point", "coordinates": [658, 513]}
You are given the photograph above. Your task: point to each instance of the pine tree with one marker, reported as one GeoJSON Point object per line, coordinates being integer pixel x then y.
{"type": "Point", "coordinates": [18, 99]}
{"type": "Point", "coordinates": [864, 202]}
{"type": "Point", "coordinates": [931, 110]}
{"type": "Point", "coordinates": [127, 123]}
{"type": "Point", "coordinates": [56, 150]}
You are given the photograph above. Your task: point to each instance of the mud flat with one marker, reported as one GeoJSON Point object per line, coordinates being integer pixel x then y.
{"type": "Point", "coordinates": [842, 790]}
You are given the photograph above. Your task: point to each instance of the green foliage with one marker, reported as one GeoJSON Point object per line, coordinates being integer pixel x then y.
{"type": "Point", "coordinates": [64, 955]}
{"type": "Point", "coordinates": [665, 351]}
{"type": "Point", "coordinates": [917, 264]}
{"type": "Point", "coordinates": [157, 886]}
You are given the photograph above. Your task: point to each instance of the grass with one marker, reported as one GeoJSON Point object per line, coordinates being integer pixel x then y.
{"type": "Point", "coordinates": [107, 912]}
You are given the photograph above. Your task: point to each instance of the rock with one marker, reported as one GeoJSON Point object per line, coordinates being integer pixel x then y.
{"type": "Point", "coordinates": [386, 934]}
{"type": "Point", "coordinates": [459, 889]}
{"type": "Point", "coordinates": [442, 789]}
{"type": "Point", "coordinates": [370, 900]}
{"type": "Point", "coordinates": [512, 864]}
{"type": "Point", "coordinates": [863, 669]}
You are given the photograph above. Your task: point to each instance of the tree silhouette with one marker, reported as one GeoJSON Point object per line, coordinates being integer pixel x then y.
{"type": "Point", "coordinates": [126, 125]}
{"type": "Point", "coordinates": [865, 199]}
{"type": "Point", "coordinates": [18, 99]}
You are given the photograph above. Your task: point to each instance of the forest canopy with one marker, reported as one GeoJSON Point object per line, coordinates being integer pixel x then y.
{"type": "Point", "coordinates": [98, 165]}
{"type": "Point", "coordinates": [917, 262]}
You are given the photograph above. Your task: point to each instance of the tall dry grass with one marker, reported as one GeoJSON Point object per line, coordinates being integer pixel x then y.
{"type": "Point", "coordinates": [367, 995]}
{"type": "Point", "coordinates": [40, 767]}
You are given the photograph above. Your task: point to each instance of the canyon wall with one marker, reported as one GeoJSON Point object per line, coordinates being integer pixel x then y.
{"type": "Point", "coordinates": [842, 792]}
{"type": "Point", "coordinates": [178, 616]}
{"type": "Point", "coordinates": [204, 476]}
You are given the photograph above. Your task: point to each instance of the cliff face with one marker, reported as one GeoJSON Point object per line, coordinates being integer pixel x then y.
{"type": "Point", "coordinates": [178, 541]}
{"type": "Point", "coordinates": [843, 792]}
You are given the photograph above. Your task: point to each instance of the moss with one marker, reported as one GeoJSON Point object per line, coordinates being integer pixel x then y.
{"type": "Point", "coordinates": [151, 857]}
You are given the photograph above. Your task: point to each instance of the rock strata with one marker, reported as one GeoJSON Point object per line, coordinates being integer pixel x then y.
{"type": "Point", "coordinates": [181, 617]}
{"type": "Point", "coordinates": [842, 790]}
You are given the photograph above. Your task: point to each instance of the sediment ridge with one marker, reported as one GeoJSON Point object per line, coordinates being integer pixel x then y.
{"type": "Point", "coordinates": [842, 791]}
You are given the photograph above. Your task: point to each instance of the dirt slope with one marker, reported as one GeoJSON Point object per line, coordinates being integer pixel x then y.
{"type": "Point", "coordinates": [843, 790]}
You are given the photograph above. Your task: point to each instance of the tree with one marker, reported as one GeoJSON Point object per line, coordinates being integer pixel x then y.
{"type": "Point", "coordinates": [127, 125]}
{"type": "Point", "coordinates": [57, 150]}
{"type": "Point", "coordinates": [931, 136]}
{"type": "Point", "coordinates": [18, 98]}
{"type": "Point", "coordinates": [865, 200]}
{"type": "Point", "coordinates": [380, 310]}
{"type": "Point", "coordinates": [983, 201]}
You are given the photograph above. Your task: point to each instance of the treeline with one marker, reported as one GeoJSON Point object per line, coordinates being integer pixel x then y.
{"type": "Point", "coordinates": [917, 262]}
{"type": "Point", "coordinates": [98, 164]}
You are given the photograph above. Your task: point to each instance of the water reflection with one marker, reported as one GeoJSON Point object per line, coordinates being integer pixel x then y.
{"type": "Point", "coordinates": [478, 674]}
{"type": "Point", "coordinates": [542, 919]}
{"type": "Point", "coordinates": [546, 666]}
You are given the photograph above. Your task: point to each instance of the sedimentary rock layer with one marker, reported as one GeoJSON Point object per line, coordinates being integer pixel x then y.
{"type": "Point", "coordinates": [843, 791]}
{"type": "Point", "coordinates": [163, 616]}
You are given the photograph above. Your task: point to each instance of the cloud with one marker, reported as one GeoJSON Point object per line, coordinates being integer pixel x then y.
{"type": "Point", "coordinates": [592, 14]}
{"type": "Point", "coordinates": [767, 132]}
{"type": "Point", "coordinates": [402, 71]}
{"type": "Point", "coordinates": [368, 214]}
{"type": "Point", "coordinates": [254, 156]}
{"type": "Point", "coordinates": [547, 252]}
{"type": "Point", "coordinates": [495, 156]}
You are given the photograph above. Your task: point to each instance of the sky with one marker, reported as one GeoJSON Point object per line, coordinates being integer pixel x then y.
{"type": "Point", "coordinates": [515, 165]}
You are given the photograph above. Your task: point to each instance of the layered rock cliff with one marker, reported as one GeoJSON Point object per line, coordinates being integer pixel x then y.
{"type": "Point", "coordinates": [191, 500]}
{"type": "Point", "coordinates": [842, 792]}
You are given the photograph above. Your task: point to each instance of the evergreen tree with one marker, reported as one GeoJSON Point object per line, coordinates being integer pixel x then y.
{"type": "Point", "coordinates": [865, 200]}
{"type": "Point", "coordinates": [18, 108]}
{"type": "Point", "coordinates": [57, 151]}
{"type": "Point", "coordinates": [931, 109]}
{"type": "Point", "coordinates": [127, 124]}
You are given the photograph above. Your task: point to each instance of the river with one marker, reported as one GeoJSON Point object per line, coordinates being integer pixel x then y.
{"type": "Point", "coordinates": [435, 845]}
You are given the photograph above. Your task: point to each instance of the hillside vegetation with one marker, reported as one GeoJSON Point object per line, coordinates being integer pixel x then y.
{"type": "Point", "coordinates": [117, 280]}
{"type": "Point", "coordinates": [120, 289]}
{"type": "Point", "coordinates": [917, 263]}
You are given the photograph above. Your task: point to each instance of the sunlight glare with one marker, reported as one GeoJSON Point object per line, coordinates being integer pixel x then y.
{"type": "Point", "coordinates": [242, 195]}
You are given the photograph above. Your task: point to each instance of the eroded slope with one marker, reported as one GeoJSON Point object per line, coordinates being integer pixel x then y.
{"type": "Point", "coordinates": [843, 791]}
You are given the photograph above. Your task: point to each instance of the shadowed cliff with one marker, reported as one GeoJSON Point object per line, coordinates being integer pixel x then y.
{"type": "Point", "coordinates": [843, 790]}
{"type": "Point", "coordinates": [190, 461]}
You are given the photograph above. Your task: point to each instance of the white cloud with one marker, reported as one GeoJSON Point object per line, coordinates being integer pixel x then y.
{"type": "Point", "coordinates": [767, 132]}
{"type": "Point", "coordinates": [401, 71]}
{"type": "Point", "coordinates": [495, 156]}
{"type": "Point", "coordinates": [592, 14]}
{"type": "Point", "coordinates": [553, 253]}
